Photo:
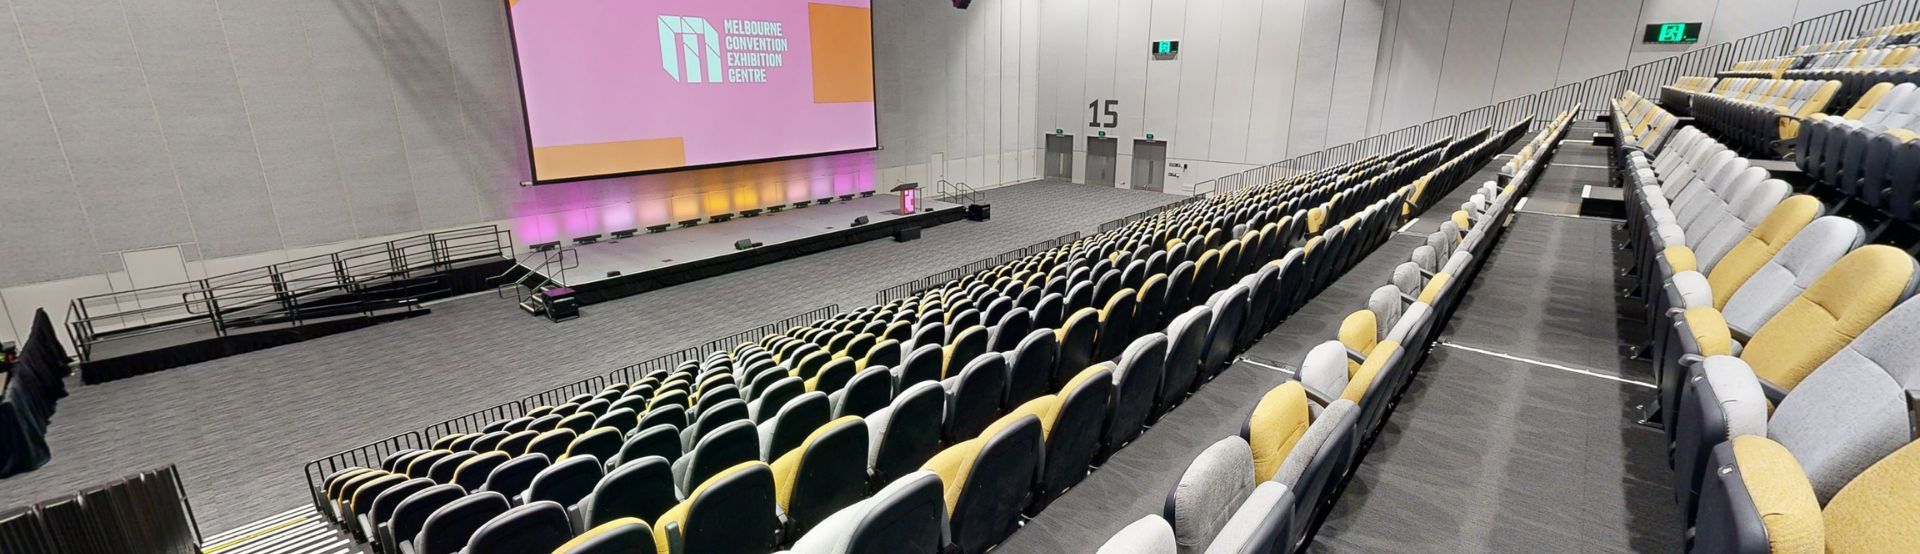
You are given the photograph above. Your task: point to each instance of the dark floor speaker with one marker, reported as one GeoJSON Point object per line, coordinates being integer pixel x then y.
{"type": "Point", "coordinates": [979, 212]}
{"type": "Point", "coordinates": [907, 234]}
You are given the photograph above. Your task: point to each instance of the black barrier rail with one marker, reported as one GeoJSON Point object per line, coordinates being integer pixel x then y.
{"type": "Point", "coordinates": [922, 284]}
{"type": "Point", "coordinates": [595, 384]}
{"type": "Point", "coordinates": [368, 455]}
{"type": "Point", "coordinates": [473, 422]}
{"type": "Point", "coordinates": [147, 512]}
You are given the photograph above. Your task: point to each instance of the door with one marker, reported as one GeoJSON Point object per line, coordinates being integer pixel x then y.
{"type": "Point", "coordinates": [1150, 165]}
{"type": "Point", "coordinates": [1059, 156]}
{"type": "Point", "coordinates": [1103, 153]}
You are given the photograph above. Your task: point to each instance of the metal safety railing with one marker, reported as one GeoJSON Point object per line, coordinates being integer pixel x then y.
{"type": "Point", "coordinates": [278, 292]}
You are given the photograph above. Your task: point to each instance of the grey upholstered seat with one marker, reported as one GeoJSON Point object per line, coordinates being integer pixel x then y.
{"type": "Point", "coordinates": [1212, 486]}
{"type": "Point", "coordinates": [1148, 535]}
{"type": "Point", "coordinates": [1783, 277]}
{"type": "Point", "coordinates": [908, 515]}
{"type": "Point", "coordinates": [1846, 415]}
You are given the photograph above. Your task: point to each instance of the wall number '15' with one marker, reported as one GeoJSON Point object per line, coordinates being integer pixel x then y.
{"type": "Point", "coordinates": [1104, 107]}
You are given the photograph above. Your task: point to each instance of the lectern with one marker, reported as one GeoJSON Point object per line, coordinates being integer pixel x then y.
{"type": "Point", "coordinates": [909, 197]}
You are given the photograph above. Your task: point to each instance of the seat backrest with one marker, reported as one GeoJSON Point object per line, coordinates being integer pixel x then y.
{"type": "Point", "coordinates": [1031, 371]}
{"type": "Point", "coordinates": [1788, 273]}
{"type": "Point", "coordinates": [791, 426]}
{"type": "Point", "coordinates": [1136, 380]}
{"type": "Point", "coordinates": [449, 528]}
{"type": "Point", "coordinates": [976, 396]}
{"type": "Point", "coordinates": [388, 500]}
{"type": "Point", "coordinates": [987, 482]}
{"type": "Point", "coordinates": [602, 443]}
{"type": "Point", "coordinates": [516, 475]}
{"type": "Point", "coordinates": [1187, 346]}
{"type": "Point", "coordinates": [535, 527]}
{"type": "Point", "coordinates": [826, 472]}
{"type": "Point", "coordinates": [1214, 483]}
{"type": "Point", "coordinates": [1274, 426]}
{"type": "Point", "coordinates": [640, 488]}
{"type": "Point", "coordinates": [907, 432]}
{"type": "Point", "coordinates": [1850, 296]}
{"type": "Point", "coordinates": [660, 440]}
{"type": "Point", "coordinates": [733, 511]}
{"type": "Point", "coordinates": [1852, 410]}
{"type": "Point", "coordinates": [567, 481]}
{"type": "Point", "coordinates": [870, 390]}
{"type": "Point", "coordinates": [725, 447]}
{"type": "Point", "coordinates": [412, 512]}
{"type": "Point", "coordinates": [472, 473]}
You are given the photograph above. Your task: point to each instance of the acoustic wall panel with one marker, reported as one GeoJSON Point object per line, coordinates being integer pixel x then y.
{"type": "Point", "coordinates": [93, 85]}
{"type": "Point", "coordinates": [43, 218]}
{"type": "Point", "coordinates": [1537, 31]}
{"type": "Point", "coordinates": [1419, 44]}
{"type": "Point", "coordinates": [1273, 80]}
{"type": "Point", "coordinates": [1233, 96]}
{"type": "Point", "coordinates": [1192, 133]}
{"type": "Point", "coordinates": [1353, 76]}
{"type": "Point", "coordinates": [1313, 79]}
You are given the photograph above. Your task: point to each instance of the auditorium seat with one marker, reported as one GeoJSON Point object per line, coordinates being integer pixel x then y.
{"type": "Point", "coordinates": [988, 481]}
{"type": "Point", "coordinates": [824, 473]}
{"type": "Point", "coordinates": [660, 440]}
{"type": "Point", "coordinates": [641, 488]}
{"type": "Point", "coordinates": [603, 444]}
{"type": "Point", "coordinates": [869, 390]}
{"type": "Point", "coordinates": [976, 395]}
{"type": "Point", "coordinates": [732, 511]}
{"type": "Point", "coordinates": [776, 396]}
{"type": "Point", "coordinates": [707, 421]}
{"type": "Point", "coordinates": [968, 344]}
{"type": "Point", "coordinates": [367, 527]}
{"type": "Point", "coordinates": [1031, 368]}
{"type": "Point", "coordinates": [1136, 380]}
{"type": "Point", "coordinates": [1758, 500]}
{"type": "Point", "coordinates": [1229, 313]}
{"type": "Point", "coordinates": [513, 477]}
{"type": "Point", "coordinates": [412, 513]}
{"type": "Point", "coordinates": [620, 536]}
{"type": "Point", "coordinates": [907, 432]}
{"type": "Point", "coordinates": [1076, 340]}
{"type": "Point", "coordinates": [536, 527]}
{"type": "Point", "coordinates": [731, 444]}
{"type": "Point", "coordinates": [1116, 324]}
{"type": "Point", "coordinates": [1187, 345]}
{"type": "Point", "coordinates": [907, 517]}
{"type": "Point", "coordinates": [449, 528]}
{"type": "Point", "coordinates": [1849, 411]}
{"type": "Point", "coordinates": [792, 425]}
{"type": "Point", "coordinates": [565, 482]}
{"type": "Point", "coordinates": [1213, 485]}
{"type": "Point", "coordinates": [924, 364]}
{"type": "Point", "coordinates": [443, 468]}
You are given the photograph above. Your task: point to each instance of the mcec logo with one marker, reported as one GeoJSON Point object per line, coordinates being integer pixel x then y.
{"type": "Point", "coordinates": [698, 41]}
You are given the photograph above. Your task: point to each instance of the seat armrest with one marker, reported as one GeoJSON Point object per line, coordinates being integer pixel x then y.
{"type": "Point", "coordinates": [1913, 414]}
{"type": "Point", "coordinates": [1691, 290]}
{"type": "Point", "coordinates": [1742, 397]}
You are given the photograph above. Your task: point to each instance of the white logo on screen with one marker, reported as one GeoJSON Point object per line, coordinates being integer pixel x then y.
{"type": "Point", "coordinates": [697, 41]}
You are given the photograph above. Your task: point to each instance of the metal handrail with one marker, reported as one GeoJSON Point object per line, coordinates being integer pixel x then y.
{"type": "Point", "coordinates": [278, 286]}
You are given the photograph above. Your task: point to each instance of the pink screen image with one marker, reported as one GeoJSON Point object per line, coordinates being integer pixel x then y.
{"type": "Point", "coordinates": [625, 86]}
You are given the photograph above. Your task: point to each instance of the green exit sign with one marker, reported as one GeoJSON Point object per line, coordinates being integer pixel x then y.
{"type": "Point", "coordinates": [1672, 33]}
{"type": "Point", "coordinates": [1166, 48]}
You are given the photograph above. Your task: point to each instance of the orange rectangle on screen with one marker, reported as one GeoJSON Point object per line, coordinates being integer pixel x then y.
{"type": "Point", "coordinates": [580, 160]}
{"type": "Point", "coordinates": [842, 53]}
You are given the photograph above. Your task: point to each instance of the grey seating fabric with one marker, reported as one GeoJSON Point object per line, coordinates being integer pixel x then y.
{"type": "Point", "coordinates": [1851, 411]}
{"type": "Point", "coordinates": [908, 515]}
{"type": "Point", "coordinates": [731, 444]}
{"type": "Point", "coordinates": [1216, 483]}
{"type": "Point", "coordinates": [907, 432]}
{"type": "Point", "coordinates": [566, 482]}
{"type": "Point", "coordinates": [1135, 380]}
{"type": "Point", "coordinates": [640, 488]}
{"type": "Point", "coordinates": [537, 527]}
{"type": "Point", "coordinates": [450, 528]}
{"type": "Point", "coordinates": [1324, 371]}
{"type": "Point", "coordinates": [792, 424]}
{"type": "Point", "coordinates": [1791, 271]}
{"type": "Point", "coordinates": [1149, 535]}
{"type": "Point", "coordinates": [1312, 442]}
{"type": "Point", "coordinates": [1260, 524]}
{"type": "Point", "coordinates": [513, 477]}
{"type": "Point", "coordinates": [629, 538]}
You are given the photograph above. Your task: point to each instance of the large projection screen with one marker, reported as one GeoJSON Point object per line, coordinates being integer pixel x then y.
{"type": "Point", "coordinates": [622, 87]}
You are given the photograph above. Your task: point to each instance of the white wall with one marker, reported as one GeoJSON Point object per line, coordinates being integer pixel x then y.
{"type": "Point", "coordinates": [1449, 56]}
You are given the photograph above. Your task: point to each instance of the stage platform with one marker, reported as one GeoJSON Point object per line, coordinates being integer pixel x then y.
{"type": "Point", "coordinates": [653, 261]}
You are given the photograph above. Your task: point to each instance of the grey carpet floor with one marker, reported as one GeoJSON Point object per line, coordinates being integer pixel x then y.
{"type": "Point", "coordinates": [241, 427]}
{"type": "Point", "coordinates": [1490, 454]}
